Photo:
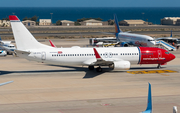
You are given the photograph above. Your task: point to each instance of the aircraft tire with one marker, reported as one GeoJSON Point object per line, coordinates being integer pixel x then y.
{"type": "Point", "coordinates": [91, 67]}
{"type": "Point", "coordinates": [99, 69]}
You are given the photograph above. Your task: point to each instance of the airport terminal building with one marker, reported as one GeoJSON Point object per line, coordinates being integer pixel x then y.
{"type": "Point", "coordinates": [132, 23]}
{"type": "Point", "coordinates": [93, 22]}
{"type": "Point", "coordinates": [170, 21]}
{"type": "Point", "coordinates": [44, 22]}
{"type": "Point", "coordinates": [67, 23]}
{"type": "Point", "coordinates": [29, 23]}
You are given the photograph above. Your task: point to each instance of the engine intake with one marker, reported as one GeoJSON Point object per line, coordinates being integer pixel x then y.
{"type": "Point", "coordinates": [121, 65]}
{"type": "Point", "coordinates": [124, 44]}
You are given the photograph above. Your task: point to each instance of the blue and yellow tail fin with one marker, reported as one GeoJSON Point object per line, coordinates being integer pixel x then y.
{"type": "Point", "coordinates": [117, 29]}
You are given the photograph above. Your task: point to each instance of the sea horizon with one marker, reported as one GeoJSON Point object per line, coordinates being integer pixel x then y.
{"type": "Point", "coordinates": [150, 14]}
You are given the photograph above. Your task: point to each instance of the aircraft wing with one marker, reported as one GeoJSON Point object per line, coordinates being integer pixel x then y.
{"type": "Point", "coordinates": [1, 84]}
{"type": "Point", "coordinates": [99, 61]}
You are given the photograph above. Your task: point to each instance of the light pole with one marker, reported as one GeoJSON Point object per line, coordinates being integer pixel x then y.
{"type": "Point", "coordinates": [51, 17]}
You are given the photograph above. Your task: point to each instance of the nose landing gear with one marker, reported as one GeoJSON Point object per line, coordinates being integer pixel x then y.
{"type": "Point", "coordinates": [159, 66]}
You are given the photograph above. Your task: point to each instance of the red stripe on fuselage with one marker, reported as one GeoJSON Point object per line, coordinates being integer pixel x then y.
{"type": "Point", "coordinates": [13, 17]}
{"type": "Point", "coordinates": [152, 55]}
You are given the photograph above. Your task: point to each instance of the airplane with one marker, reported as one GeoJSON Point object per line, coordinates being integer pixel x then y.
{"type": "Point", "coordinates": [149, 102]}
{"type": "Point", "coordinates": [3, 53]}
{"type": "Point", "coordinates": [125, 38]}
{"type": "Point", "coordinates": [7, 46]}
{"type": "Point", "coordinates": [169, 37]}
{"type": "Point", "coordinates": [1, 84]}
{"type": "Point", "coordinates": [116, 58]}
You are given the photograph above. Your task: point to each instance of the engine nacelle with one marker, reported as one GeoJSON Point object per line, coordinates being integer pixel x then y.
{"type": "Point", "coordinates": [124, 44]}
{"type": "Point", "coordinates": [121, 65]}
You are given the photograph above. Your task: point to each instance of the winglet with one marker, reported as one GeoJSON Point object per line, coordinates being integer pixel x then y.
{"type": "Point", "coordinates": [52, 44]}
{"type": "Point", "coordinates": [98, 57]}
{"type": "Point", "coordinates": [149, 102]}
{"type": "Point", "coordinates": [13, 17]}
{"type": "Point", "coordinates": [117, 29]}
{"type": "Point", "coordinates": [0, 39]}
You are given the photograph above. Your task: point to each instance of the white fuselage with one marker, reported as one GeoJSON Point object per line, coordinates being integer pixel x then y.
{"type": "Point", "coordinates": [136, 39]}
{"type": "Point", "coordinates": [83, 56]}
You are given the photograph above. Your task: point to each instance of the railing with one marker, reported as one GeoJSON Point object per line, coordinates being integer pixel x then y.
{"type": "Point", "coordinates": [166, 45]}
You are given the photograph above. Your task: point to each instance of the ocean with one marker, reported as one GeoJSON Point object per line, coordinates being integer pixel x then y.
{"type": "Point", "coordinates": [150, 14]}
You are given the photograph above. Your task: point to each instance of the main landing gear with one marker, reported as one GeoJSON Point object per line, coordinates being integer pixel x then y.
{"type": "Point", "coordinates": [91, 67]}
{"type": "Point", "coordinates": [98, 69]}
{"type": "Point", "coordinates": [159, 66]}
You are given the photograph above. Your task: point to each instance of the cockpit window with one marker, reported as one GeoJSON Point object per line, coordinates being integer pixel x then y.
{"type": "Point", "coordinates": [167, 52]}
{"type": "Point", "coordinates": [150, 40]}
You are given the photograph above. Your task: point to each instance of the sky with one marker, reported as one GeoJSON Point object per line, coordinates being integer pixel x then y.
{"type": "Point", "coordinates": [90, 3]}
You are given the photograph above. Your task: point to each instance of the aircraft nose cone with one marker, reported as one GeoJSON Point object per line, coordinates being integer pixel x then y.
{"type": "Point", "coordinates": [173, 56]}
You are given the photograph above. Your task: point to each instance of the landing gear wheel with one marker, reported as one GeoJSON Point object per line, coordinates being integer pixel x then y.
{"type": "Point", "coordinates": [159, 66]}
{"type": "Point", "coordinates": [91, 67]}
{"type": "Point", "coordinates": [99, 69]}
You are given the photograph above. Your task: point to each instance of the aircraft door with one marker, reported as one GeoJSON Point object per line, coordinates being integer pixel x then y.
{"type": "Point", "coordinates": [110, 55]}
{"type": "Point", "coordinates": [43, 56]}
{"type": "Point", "coordinates": [159, 54]}
{"type": "Point", "coordinates": [106, 55]}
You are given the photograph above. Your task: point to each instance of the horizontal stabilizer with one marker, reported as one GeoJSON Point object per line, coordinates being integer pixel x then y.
{"type": "Point", "coordinates": [22, 52]}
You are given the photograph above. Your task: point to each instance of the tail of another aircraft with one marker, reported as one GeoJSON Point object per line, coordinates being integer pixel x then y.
{"type": "Point", "coordinates": [24, 39]}
{"type": "Point", "coordinates": [171, 34]}
{"type": "Point", "coordinates": [149, 102]}
{"type": "Point", "coordinates": [117, 29]}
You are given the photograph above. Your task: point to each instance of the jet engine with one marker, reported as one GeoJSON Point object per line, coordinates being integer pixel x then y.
{"type": "Point", "coordinates": [120, 65]}
{"type": "Point", "coordinates": [124, 44]}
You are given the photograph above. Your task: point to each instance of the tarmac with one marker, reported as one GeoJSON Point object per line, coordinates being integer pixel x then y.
{"type": "Point", "coordinates": [45, 88]}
